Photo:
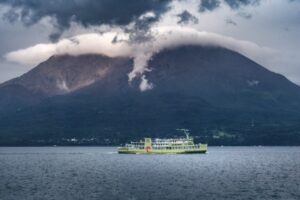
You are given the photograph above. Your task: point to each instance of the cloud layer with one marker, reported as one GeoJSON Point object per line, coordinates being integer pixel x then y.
{"type": "Point", "coordinates": [163, 38]}
{"type": "Point", "coordinates": [209, 5]}
{"type": "Point", "coordinates": [84, 12]}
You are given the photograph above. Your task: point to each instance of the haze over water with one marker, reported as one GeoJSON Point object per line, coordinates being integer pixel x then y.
{"type": "Point", "coordinates": [100, 173]}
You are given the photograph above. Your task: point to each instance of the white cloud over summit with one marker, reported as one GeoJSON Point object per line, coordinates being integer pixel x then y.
{"type": "Point", "coordinates": [163, 37]}
{"type": "Point", "coordinates": [81, 44]}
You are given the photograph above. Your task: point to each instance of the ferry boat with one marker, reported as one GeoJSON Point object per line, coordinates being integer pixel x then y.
{"type": "Point", "coordinates": [164, 146]}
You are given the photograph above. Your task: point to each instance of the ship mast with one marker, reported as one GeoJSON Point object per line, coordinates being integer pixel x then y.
{"type": "Point", "coordinates": [185, 131]}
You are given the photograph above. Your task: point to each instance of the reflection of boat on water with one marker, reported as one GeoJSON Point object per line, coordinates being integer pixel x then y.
{"type": "Point", "coordinates": [164, 146]}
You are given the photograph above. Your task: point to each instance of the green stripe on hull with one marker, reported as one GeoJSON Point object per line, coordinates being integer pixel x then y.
{"type": "Point", "coordinates": [131, 152]}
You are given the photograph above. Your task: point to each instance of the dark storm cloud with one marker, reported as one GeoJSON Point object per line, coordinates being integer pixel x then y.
{"type": "Point", "coordinates": [185, 17]}
{"type": "Point", "coordinates": [238, 3]}
{"type": "Point", "coordinates": [209, 5]}
{"type": "Point", "coordinates": [85, 12]}
{"type": "Point", "coordinates": [140, 32]}
{"type": "Point", "coordinates": [11, 16]}
{"type": "Point", "coordinates": [55, 35]}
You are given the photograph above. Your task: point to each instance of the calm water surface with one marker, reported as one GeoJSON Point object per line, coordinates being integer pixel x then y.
{"type": "Point", "coordinates": [70, 173]}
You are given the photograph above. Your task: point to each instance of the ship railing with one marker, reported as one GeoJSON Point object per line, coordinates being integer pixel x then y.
{"type": "Point", "coordinates": [168, 140]}
{"type": "Point", "coordinates": [198, 146]}
{"type": "Point", "coordinates": [134, 146]}
{"type": "Point", "coordinates": [183, 141]}
{"type": "Point", "coordinates": [137, 143]}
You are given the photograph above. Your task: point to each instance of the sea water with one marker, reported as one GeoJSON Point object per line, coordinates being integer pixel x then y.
{"type": "Point", "coordinates": [71, 173]}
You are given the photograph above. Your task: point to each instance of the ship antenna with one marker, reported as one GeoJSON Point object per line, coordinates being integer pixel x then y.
{"type": "Point", "coordinates": [185, 131]}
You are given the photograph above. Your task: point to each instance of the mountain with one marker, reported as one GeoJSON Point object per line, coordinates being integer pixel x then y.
{"type": "Point", "coordinates": [65, 74]}
{"type": "Point", "coordinates": [222, 96]}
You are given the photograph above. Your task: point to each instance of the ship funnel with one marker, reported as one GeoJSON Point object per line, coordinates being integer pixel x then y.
{"type": "Point", "coordinates": [148, 144]}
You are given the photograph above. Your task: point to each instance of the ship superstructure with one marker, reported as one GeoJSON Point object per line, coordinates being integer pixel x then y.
{"type": "Point", "coordinates": [164, 146]}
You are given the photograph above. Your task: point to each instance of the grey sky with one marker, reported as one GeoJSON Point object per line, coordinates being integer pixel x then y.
{"type": "Point", "coordinates": [268, 23]}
